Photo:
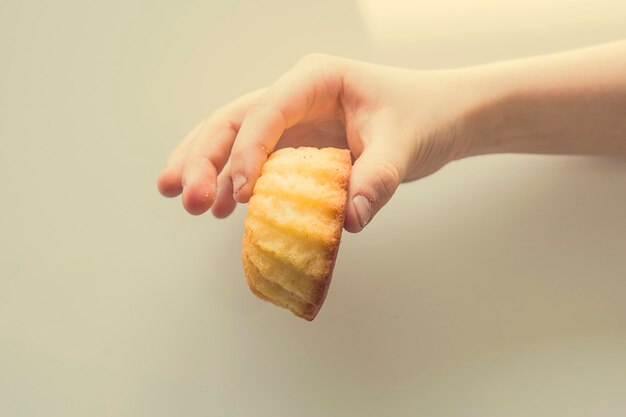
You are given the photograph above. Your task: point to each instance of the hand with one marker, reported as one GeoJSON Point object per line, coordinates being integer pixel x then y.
{"type": "Point", "coordinates": [400, 125]}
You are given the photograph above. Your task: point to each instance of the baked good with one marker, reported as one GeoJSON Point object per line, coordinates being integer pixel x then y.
{"type": "Point", "coordinates": [293, 227]}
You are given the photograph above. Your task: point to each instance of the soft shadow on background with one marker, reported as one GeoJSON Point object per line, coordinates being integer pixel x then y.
{"type": "Point", "coordinates": [494, 287]}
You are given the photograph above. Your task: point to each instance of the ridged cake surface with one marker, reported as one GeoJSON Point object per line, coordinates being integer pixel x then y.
{"type": "Point", "coordinates": [293, 227]}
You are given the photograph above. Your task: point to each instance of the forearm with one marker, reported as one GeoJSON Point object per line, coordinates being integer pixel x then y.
{"type": "Point", "coordinates": [568, 103]}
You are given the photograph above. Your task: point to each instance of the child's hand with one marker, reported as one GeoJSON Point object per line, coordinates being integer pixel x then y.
{"type": "Point", "coordinates": [399, 124]}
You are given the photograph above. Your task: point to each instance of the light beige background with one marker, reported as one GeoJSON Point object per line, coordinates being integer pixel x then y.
{"type": "Point", "coordinates": [494, 288]}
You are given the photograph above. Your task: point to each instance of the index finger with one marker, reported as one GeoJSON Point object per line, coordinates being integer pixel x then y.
{"type": "Point", "coordinates": [308, 91]}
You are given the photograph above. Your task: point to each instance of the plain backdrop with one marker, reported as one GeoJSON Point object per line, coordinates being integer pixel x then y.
{"type": "Point", "coordinates": [495, 287]}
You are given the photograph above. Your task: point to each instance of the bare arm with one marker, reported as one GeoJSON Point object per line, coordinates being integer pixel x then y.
{"type": "Point", "coordinates": [401, 125]}
{"type": "Point", "coordinates": [567, 103]}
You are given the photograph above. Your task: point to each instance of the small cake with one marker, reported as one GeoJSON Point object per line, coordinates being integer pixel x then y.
{"type": "Point", "coordinates": [293, 227]}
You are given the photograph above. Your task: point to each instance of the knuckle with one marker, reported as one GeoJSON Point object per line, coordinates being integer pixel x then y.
{"type": "Point", "coordinates": [261, 105]}
{"type": "Point", "coordinates": [243, 157]}
{"type": "Point", "coordinates": [386, 179]}
{"type": "Point", "coordinates": [313, 59]}
{"type": "Point", "coordinates": [231, 127]}
{"type": "Point", "coordinates": [211, 160]}
{"type": "Point", "coordinates": [266, 108]}
{"type": "Point", "coordinates": [221, 118]}
{"type": "Point", "coordinates": [259, 102]}
{"type": "Point", "coordinates": [238, 153]}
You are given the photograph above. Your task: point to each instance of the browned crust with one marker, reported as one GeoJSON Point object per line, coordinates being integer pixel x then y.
{"type": "Point", "coordinates": [316, 284]}
{"type": "Point", "coordinates": [310, 311]}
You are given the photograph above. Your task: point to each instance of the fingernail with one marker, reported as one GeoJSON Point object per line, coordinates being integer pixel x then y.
{"type": "Point", "coordinates": [363, 209]}
{"type": "Point", "coordinates": [239, 181]}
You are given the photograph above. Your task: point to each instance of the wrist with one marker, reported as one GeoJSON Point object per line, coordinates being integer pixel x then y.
{"type": "Point", "coordinates": [476, 129]}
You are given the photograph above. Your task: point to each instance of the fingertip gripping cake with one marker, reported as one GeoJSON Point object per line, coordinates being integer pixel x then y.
{"type": "Point", "coordinates": [293, 227]}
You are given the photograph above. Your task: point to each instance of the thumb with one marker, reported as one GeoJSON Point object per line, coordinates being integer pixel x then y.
{"type": "Point", "coordinates": [375, 176]}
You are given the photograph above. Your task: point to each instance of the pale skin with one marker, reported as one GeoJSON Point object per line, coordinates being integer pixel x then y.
{"type": "Point", "coordinates": [402, 125]}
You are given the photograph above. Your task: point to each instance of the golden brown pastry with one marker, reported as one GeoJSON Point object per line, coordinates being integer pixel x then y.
{"type": "Point", "coordinates": [294, 223]}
